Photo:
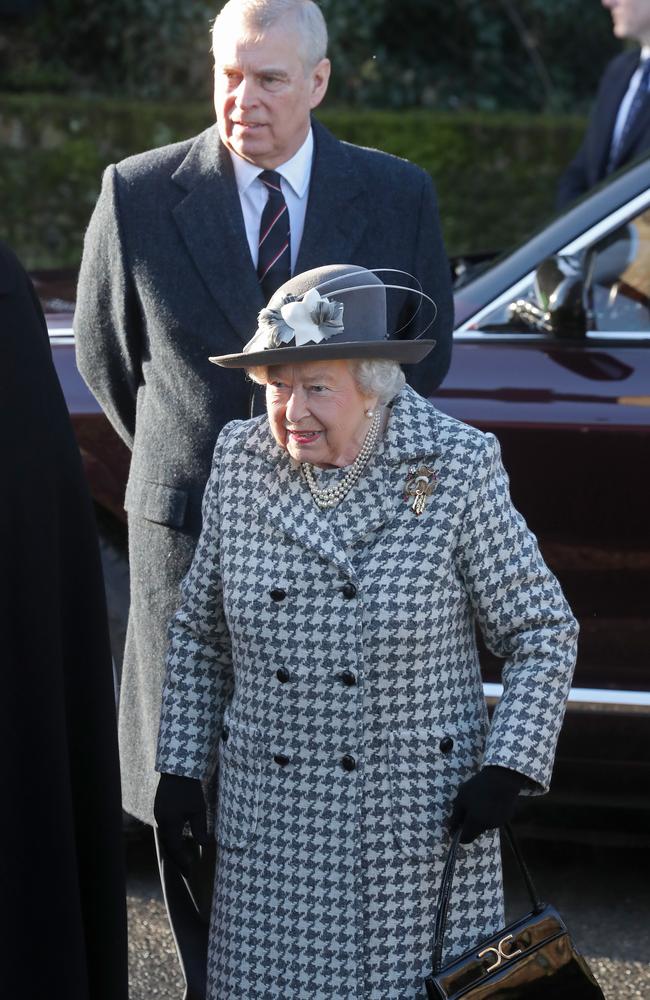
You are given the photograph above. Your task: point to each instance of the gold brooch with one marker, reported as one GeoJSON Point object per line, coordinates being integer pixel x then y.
{"type": "Point", "coordinates": [420, 484]}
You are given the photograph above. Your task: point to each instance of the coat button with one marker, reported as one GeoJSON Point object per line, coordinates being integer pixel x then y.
{"type": "Point", "coordinates": [225, 733]}
{"type": "Point", "coordinates": [349, 590]}
{"type": "Point", "coordinates": [278, 594]}
{"type": "Point", "coordinates": [281, 759]}
{"type": "Point", "coordinates": [348, 678]}
{"type": "Point", "coordinates": [348, 763]}
{"type": "Point", "coordinates": [446, 744]}
{"type": "Point", "coordinates": [282, 675]}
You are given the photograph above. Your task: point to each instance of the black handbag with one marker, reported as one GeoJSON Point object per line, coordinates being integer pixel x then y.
{"type": "Point", "coordinates": [531, 958]}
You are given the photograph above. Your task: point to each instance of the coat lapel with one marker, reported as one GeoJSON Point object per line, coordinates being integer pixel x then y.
{"type": "Point", "coordinates": [611, 102]}
{"type": "Point", "coordinates": [640, 124]}
{"type": "Point", "coordinates": [285, 501]}
{"type": "Point", "coordinates": [410, 440]}
{"type": "Point", "coordinates": [212, 226]}
{"type": "Point", "coordinates": [337, 215]}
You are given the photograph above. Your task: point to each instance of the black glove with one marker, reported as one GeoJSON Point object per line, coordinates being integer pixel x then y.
{"type": "Point", "coordinates": [487, 800]}
{"type": "Point", "coordinates": [179, 801]}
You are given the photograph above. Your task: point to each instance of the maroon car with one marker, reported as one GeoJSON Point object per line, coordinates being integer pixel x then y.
{"type": "Point", "coordinates": [551, 354]}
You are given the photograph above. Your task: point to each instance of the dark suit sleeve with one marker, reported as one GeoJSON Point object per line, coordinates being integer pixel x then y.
{"type": "Point", "coordinates": [431, 268]}
{"type": "Point", "coordinates": [107, 323]}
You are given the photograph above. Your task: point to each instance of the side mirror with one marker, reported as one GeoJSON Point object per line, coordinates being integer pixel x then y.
{"type": "Point", "coordinates": [559, 293]}
{"type": "Point", "coordinates": [559, 289]}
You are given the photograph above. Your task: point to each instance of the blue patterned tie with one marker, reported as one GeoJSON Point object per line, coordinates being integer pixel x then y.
{"type": "Point", "coordinates": [274, 260]}
{"type": "Point", "coordinates": [637, 103]}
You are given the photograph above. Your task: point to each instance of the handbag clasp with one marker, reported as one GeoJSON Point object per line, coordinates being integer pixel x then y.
{"type": "Point", "coordinates": [499, 953]}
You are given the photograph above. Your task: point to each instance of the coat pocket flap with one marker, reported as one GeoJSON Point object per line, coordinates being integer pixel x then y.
{"type": "Point", "coordinates": [156, 502]}
{"type": "Point", "coordinates": [432, 742]}
{"type": "Point", "coordinates": [426, 768]}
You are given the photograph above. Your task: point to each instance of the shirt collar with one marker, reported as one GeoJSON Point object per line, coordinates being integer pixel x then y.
{"type": "Point", "coordinates": [295, 171]}
{"type": "Point", "coordinates": [645, 53]}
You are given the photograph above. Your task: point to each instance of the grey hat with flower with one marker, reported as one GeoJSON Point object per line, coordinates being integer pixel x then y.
{"type": "Point", "coordinates": [332, 312]}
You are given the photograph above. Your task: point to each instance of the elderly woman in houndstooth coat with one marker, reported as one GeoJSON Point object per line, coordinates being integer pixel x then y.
{"type": "Point", "coordinates": [323, 665]}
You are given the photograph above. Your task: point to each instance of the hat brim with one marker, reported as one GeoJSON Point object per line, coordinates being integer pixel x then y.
{"type": "Point", "coordinates": [403, 351]}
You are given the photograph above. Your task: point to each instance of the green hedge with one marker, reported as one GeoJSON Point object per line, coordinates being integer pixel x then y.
{"type": "Point", "coordinates": [528, 55]}
{"type": "Point", "coordinates": [495, 174]}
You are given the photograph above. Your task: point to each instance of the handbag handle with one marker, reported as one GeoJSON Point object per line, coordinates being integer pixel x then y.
{"type": "Point", "coordinates": [447, 883]}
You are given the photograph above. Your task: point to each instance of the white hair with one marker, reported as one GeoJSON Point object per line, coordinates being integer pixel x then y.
{"type": "Point", "coordinates": [257, 16]}
{"type": "Point", "coordinates": [378, 377]}
{"type": "Point", "coordinates": [373, 376]}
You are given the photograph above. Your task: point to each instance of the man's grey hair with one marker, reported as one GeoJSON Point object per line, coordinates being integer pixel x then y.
{"type": "Point", "coordinates": [373, 376]}
{"type": "Point", "coordinates": [257, 16]}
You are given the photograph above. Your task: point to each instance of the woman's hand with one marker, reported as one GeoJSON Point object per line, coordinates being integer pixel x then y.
{"type": "Point", "coordinates": [180, 801]}
{"type": "Point", "coordinates": [486, 801]}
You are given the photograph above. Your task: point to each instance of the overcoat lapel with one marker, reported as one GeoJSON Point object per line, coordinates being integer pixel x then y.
{"type": "Point", "coordinates": [211, 223]}
{"type": "Point", "coordinates": [337, 213]}
{"type": "Point", "coordinates": [412, 428]}
{"type": "Point", "coordinates": [286, 503]}
{"type": "Point", "coordinates": [611, 103]}
{"type": "Point", "coordinates": [640, 124]}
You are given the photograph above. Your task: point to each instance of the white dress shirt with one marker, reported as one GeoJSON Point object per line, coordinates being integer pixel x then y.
{"type": "Point", "coordinates": [295, 175]}
{"type": "Point", "coordinates": [628, 97]}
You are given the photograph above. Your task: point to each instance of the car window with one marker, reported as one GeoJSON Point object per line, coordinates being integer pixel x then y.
{"type": "Point", "coordinates": [617, 271]}
{"type": "Point", "coordinates": [611, 279]}
{"type": "Point", "coordinates": [520, 314]}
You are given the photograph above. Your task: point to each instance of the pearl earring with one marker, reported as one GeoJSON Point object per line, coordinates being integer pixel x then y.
{"type": "Point", "coordinates": [370, 413]}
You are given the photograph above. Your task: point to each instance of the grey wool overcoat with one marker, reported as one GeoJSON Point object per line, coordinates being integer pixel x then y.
{"type": "Point", "coordinates": [166, 281]}
{"type": "Point", "coordinates": [323, 666]}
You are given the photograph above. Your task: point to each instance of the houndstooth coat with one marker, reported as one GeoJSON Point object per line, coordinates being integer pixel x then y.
{"type": "Point", "coordinates": [324, 667]}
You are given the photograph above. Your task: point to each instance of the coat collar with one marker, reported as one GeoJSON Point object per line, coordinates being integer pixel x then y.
{"type": "Point", "coordinates": [411, 437]}
{"type": "Point", "coordinates": [612, 98]}
{"type": "Point", "coordinates": [211, 221]}
{"type": "Point", "coordinates": [337, 214]}
{"type": "Point", "coordinates": [637, 127]}
{"type": "Point", "coordinates": [412, 431]}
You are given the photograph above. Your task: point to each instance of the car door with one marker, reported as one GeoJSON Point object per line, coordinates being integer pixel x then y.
{"type": "Point", "coordinates": [572, 413]}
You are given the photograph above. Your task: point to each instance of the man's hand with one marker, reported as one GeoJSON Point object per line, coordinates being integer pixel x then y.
{"type": "Point", "coordinates": [486, 801]}
{"type": "Point", "coordinates": [180, 801]}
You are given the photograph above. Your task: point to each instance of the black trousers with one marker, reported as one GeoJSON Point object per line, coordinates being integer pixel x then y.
{"type": "Point", "coordinates": [188, 900]}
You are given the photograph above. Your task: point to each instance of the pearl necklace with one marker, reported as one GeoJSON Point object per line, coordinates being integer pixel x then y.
{"type": "Point", "coordinates": [327, 499]}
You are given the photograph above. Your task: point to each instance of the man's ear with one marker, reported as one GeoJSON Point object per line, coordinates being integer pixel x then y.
{"type": "Point", "coordinates": [320, 76]}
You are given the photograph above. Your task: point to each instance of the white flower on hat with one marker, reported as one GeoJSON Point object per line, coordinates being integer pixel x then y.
{"type": "Point", "coordinates": [314, 319]}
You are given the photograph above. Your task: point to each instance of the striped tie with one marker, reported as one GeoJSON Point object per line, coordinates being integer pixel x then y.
{"type": "Point", "coordinates": [637, 103]}
{"type": "Point", "coordinates": [274, 260]}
